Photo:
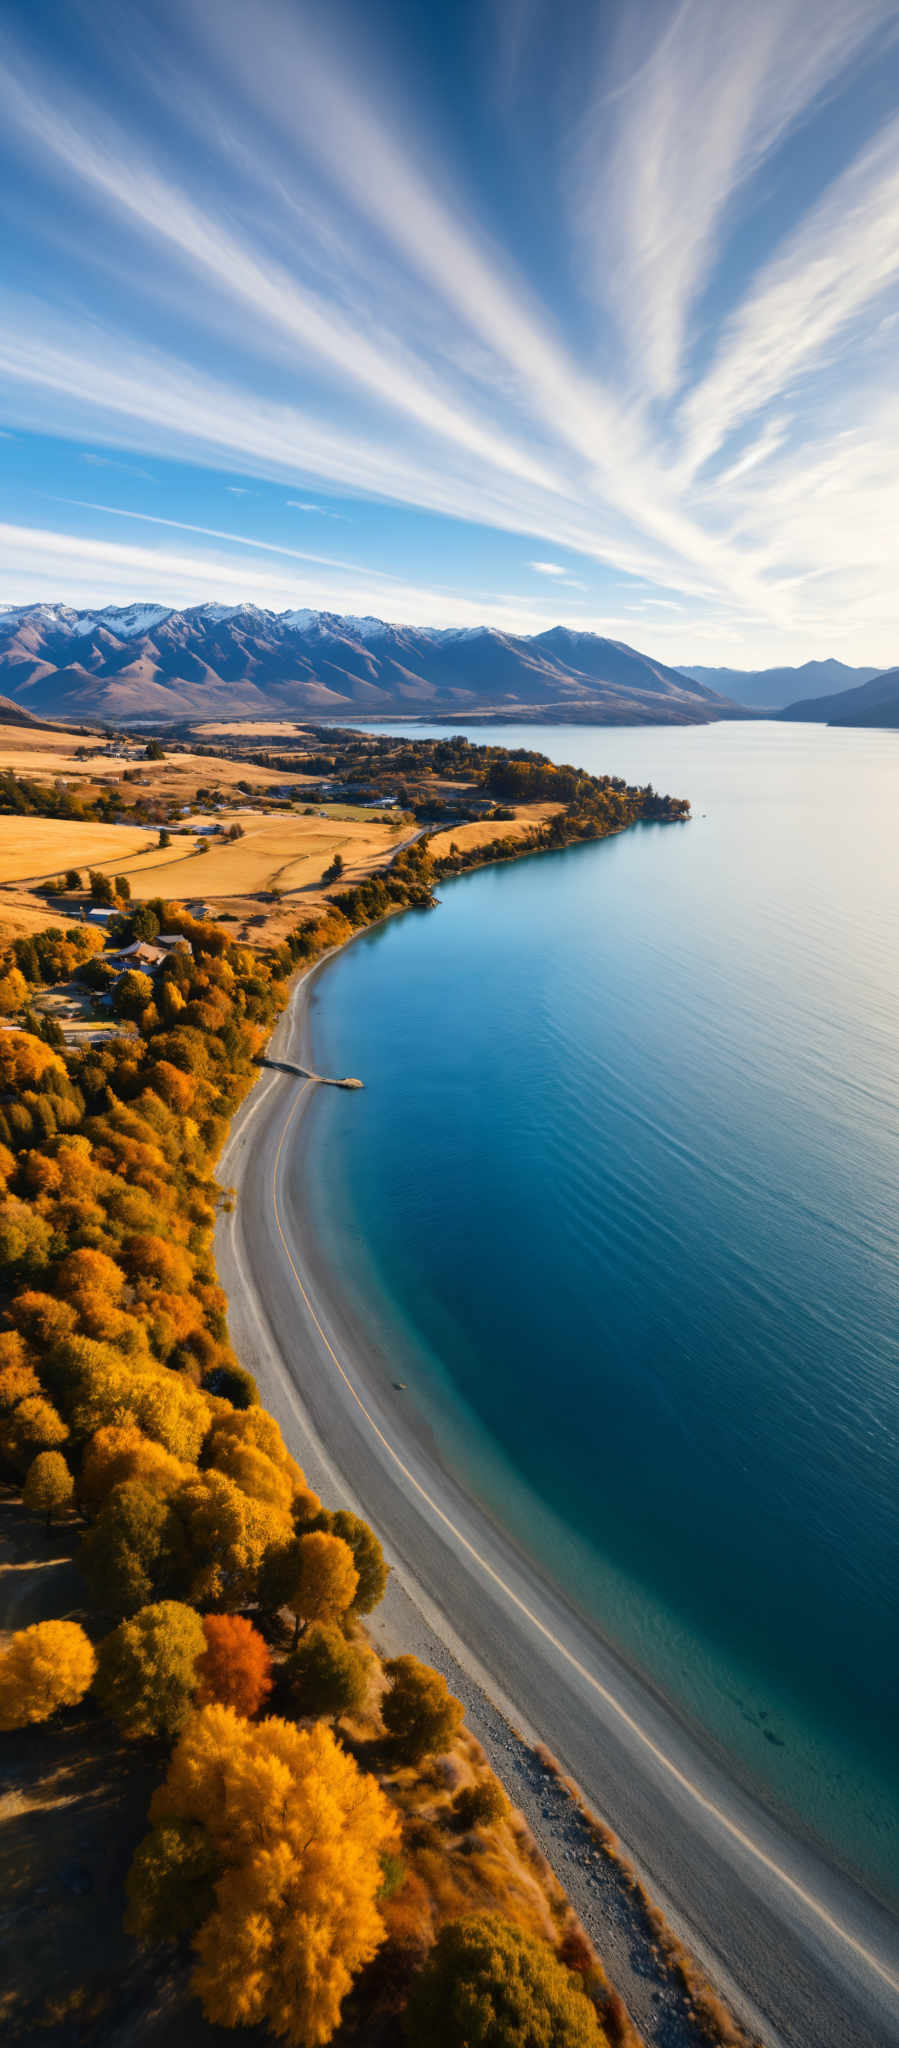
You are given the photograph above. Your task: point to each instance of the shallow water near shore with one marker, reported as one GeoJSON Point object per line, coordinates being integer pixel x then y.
{"type": "Point", "coordinates": [620, 1198]}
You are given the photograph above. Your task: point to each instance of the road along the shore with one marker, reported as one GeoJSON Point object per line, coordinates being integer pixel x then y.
{"type": "Point", "coordinates": [804, 1955]}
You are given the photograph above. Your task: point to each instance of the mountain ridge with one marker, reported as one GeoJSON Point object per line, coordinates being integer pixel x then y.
{"type": "Point", "coordinates": [871, 704]}
{"type": "Point", "coordinates": [139, 661]}
{"type": "Point", "coordinates": [771, 689]}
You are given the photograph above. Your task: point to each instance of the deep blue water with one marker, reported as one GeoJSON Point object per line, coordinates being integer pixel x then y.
{"type": "Point", "coordinates": [620, 1194]}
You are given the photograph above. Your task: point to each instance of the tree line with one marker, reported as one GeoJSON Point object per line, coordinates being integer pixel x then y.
{"type": "Point", "coordinates": [225, 1602]}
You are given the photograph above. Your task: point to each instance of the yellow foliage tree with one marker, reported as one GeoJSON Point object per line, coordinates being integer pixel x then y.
{"type": "Point", "coordinates": [229, 1535]}
{"type": "Point", "coordinates": [48, 1666]}
{"type": "Point", "coordinates": [320, 1579]}
{"type": "Point", "coordinates": [49, 1485]}
{"type": "Point", "coordinates": [298, 1834]}
{"type": "Point", "coordinates": [18, 1382]}
{"type": "Point", "coordinates": [32, 1426]}
{"type": "Point", "coordinates": [248, 1445]}
{"type": "Point", "coordinates": [116, 1454]}
{"type": "Point", "coordinates": [25, 1061]}
{"type": "Point", "coordinates": [13, 992]}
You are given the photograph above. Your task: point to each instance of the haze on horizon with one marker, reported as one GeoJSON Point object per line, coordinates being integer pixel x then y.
{"type": "Point", "coordinates": [506, 314]}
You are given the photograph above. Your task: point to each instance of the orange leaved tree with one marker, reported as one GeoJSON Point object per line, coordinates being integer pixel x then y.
{"type": "Point", "coordinates": [235, 1668]}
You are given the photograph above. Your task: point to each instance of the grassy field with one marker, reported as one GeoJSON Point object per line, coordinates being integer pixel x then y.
{"type": "Point", "coordinates": [48, 754]}
{"type": "Point", "coordinates": [285, 851]}
{"type": "Point", "coordinates": [31, 848]}
{"type": "Point", "coordinates": [485, 830]}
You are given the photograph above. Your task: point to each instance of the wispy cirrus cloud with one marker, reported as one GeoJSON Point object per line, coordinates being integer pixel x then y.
{"type": "Point", "coordinates": [283, 257]}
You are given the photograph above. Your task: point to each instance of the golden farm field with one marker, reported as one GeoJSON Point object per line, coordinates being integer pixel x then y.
{"type": "Point", "coordinates": [276, 852]}
{"type": "Point", "coordinates": [485, 830]}
{"type": "Point", "coordinates": [32, 848]}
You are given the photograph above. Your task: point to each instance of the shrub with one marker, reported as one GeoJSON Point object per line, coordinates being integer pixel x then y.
{"type": "Point", "coordinates": [232, 1383]}
{"type": "Point", "coordinates": [479, 1805]}
{"type": "Point", "coordinates": [488, 1985]}
{"type": "Point", "coordinates": [419, 1712]}
{"type": "Point", "coordinates": [48, 1666]}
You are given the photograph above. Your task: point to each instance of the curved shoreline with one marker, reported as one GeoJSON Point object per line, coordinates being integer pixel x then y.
{"type": "Point", "coordinates": [802, 1953]}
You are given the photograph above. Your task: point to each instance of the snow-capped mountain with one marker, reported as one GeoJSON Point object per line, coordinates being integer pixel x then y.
{"type": "Point", "coordinates": [150, 661]}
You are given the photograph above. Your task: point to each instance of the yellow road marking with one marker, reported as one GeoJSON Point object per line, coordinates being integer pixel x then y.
{"type": "Point", "coordinates": [679, 1777]}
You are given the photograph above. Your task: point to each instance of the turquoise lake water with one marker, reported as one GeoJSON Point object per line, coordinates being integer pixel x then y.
{"type": "Point", "coordinates": [620, 1198]}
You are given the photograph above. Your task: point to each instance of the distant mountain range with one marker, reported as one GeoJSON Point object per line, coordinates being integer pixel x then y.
{"type": "Point", "coordinates": [769, 689]}
{"type": "Point", "coordinates": [874, 703]}
{"type": "Point", "coordinates": [143, 661]}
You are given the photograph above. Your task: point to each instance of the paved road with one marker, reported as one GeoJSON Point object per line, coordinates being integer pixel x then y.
{"type": "Point", "coordinates": [806, 1957]}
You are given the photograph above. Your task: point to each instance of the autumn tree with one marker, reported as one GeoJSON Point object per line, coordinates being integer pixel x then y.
{"type": "Point", "coordinates": [486, 1984]}
{"type": "Point", "coordinates": [32, 1426]}
{"type": "Point", "coordinates": [316, 1579]}
{"type": "Point", "coordinates": [146, 1669]}
{"type": "Point", "coordinates": [326, 1676]}
{"type": "Point", "coordinates": [368, 1557]}
{"type": "Point", "coordinates": [49, 1486]}
{"type": "Point", "coordinates": [419, 1712]}
{"type": "Point", "coordinates": [235, 1668]}
{"type": "Point", "coordinates": [297, 1833]}
{"type": "Point", "coordinates": [132, 1554]}
{"type": "Point", "coordinates": [132, 992]}
{"type": "Point", "coordinates": [47, 1666]}
{"type": "Point", "coordinates": [248, 1445]}
{"type": "Point", "coordinates": [122, 1451]}
{"type": "Point", "coordinates": [229, 1535]}
{"type": "Point", "coordinates": [25, 1239]}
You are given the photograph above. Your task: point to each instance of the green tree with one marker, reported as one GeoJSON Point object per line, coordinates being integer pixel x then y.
{"type": "Point", "coordinates": [165, 838]}
{"type": "Point", "coordinates": [488, 1985]}
{"type": "Point", "coordinates": [170, 1886]}
{"type": "Point", "coordinates": [123, 888]}
{"type": "Point", "coordinates": [73, 880]}
{"type": "Point", "coordinates": [419, 1712]}
{"type": "Point", "coordinates": [101, 888]}
{"type": "Point", "coordinates": [326, 1676]}
{"type": "Point", "coordinates": [146, 1669]}
{"type": "Point", "coordinates": [131, 1555]}
{"type": "Point", "coordinates": [49, 1485]}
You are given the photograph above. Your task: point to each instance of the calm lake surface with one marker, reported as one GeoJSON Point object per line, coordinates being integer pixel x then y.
{"type": "Point", "coordinates": [620, 1198]}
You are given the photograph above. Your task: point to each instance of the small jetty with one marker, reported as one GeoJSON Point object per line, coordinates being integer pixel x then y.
{"type": "Point", "coordinates": [307, 1074]}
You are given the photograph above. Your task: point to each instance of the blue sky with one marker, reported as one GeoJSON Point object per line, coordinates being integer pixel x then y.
{"type": "Point", "coordinates": [507, 312]}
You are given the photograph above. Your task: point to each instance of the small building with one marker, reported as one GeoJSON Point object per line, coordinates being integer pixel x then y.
{"type": "Point", "coordinates": [98, 916]}
{"type": "Point", "coordinates": [139, 954]}
{"type": "Point", "coordinates": [174, 942]}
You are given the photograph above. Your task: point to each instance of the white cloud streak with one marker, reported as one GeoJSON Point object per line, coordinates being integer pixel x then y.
{"type": "Point", "coordinates": [371, 336]}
